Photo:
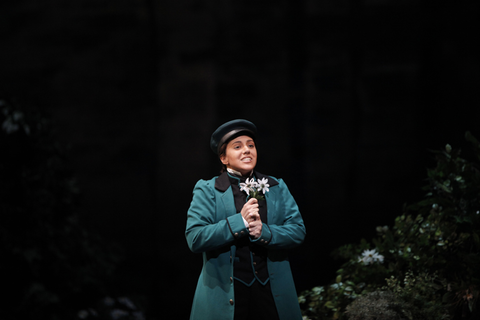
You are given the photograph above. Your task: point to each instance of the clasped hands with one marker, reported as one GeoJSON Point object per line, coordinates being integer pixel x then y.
{"type": "Point", "coordinates": [251, 215]}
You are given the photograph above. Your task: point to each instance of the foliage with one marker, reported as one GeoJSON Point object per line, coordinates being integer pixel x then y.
{"type": "Point", "coordinates": [377, 305]}
{"type": "Point", "coordinates": [50, 265]}
{"type": "Point", "coordinates": [416, 298]}
{"type": "Point", "coordinates": [437, 235]}
{"type": "Point", "coordinates": [121, 308]}
{"type": "Point", "coordinates": [421, 294]}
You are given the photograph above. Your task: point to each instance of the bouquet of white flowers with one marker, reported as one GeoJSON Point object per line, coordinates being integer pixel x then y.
{"type": "Point", "coordinates": [255, 189]}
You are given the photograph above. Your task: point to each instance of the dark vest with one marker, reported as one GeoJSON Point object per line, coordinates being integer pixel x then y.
{"type": "Point", "coordinates": [250, 259]}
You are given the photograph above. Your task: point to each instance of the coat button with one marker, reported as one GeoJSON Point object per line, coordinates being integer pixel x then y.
{"type": "Point", "coordinates": [231, 302]}
{"type": "Point", "coordinates": [231, 279]}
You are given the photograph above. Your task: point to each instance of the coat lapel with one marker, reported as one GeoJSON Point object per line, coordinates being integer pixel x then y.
{"type": "Point", "coordinates": [222, 184]}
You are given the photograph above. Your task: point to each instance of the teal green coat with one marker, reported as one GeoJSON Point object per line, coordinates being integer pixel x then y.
{"type": "Point", "coordinates": [212, 227]}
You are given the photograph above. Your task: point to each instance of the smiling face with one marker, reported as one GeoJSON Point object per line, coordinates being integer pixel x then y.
{"type": "Point", "coordinates": [240, 155]}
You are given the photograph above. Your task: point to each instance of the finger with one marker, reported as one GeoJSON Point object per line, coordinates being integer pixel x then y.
{"type": "Point", "coordinates": [255, 223]}
{"type": "Point", "coordinates": [254, 216]}
{"type": "Point", "coordinates": [255, 213]}
{"type": "Point", "coordinates": [252, 205]}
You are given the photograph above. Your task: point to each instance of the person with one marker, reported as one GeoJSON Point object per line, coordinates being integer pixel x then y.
{"type": "Point", "coordinates": [243, 222]}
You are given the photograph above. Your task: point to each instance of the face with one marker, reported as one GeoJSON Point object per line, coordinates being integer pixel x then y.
{"type": "Point", "coordinates": [240, 155]}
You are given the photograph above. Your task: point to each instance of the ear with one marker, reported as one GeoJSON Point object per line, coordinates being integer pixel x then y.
{"type": "Point", "coordinates": [224, 159]}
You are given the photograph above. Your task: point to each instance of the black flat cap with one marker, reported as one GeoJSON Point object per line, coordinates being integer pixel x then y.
{"type": "Point", "coordinates": [229, 130]}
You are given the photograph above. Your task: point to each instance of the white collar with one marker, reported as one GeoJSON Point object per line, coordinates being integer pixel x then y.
{"type": "Point", "coordinates": [235, 172]}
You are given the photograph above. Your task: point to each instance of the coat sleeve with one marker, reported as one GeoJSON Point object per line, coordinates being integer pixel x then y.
{"type": "Point", "coordinates": [207, 229]}
{"type": "Point", "coordinates": [288, 230]}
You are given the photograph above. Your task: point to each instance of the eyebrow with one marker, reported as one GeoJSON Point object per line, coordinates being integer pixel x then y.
{"type": "Point", "coordinates": [238, 141]}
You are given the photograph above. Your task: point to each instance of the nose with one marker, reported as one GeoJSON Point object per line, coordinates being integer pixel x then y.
{"type": "Point", "coordinates": [246, 149]}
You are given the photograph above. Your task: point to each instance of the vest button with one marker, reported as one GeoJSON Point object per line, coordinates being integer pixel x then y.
{"type": "Point", "coordinates": [231, 302]}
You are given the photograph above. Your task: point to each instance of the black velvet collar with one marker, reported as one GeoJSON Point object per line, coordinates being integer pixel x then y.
{"type": "Point", "coordinates": [223, 182]}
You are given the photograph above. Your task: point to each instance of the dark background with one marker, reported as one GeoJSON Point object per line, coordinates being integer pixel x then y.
{"type": "Point", "coordinates": [347, 95]}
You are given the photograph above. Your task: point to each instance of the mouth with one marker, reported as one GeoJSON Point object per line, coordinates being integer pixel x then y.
{"type": "Point", "coordinates": [247, 159]}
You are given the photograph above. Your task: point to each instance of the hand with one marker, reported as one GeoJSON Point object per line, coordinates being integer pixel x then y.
{"type": "Point", "coordinates": [255, 228]}
{"type": "Point", "coordinates": [250, 210]}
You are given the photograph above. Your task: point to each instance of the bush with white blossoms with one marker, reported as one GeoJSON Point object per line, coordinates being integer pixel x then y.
{"type": "Point", "coordinates": [438, 235]}
{"type": "Point", "coordinates": [253, 188]}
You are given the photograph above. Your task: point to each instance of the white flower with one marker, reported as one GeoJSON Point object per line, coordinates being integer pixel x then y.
{"type": "Point", "coordinates": [370, 257]}
{"type": "Point", "coordinates": [263, 185]}
{"type": "Point", "coordinates": [245, 186]}
{"type": "Point", "coordinates": [251, 183]}
{"type": "Point", "coordinates": [379, 258]}
{"type": "Point", "coordinates": [248, 185]}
